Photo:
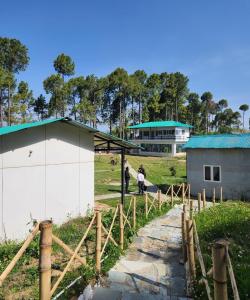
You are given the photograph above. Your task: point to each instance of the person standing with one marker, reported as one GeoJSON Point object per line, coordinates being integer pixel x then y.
{"type": "Point", "coordinates": [127, 178]}
{"type": "Point", "coordinates": [140, 182]}
{"type": "Point", "coordinates": [143, 171]}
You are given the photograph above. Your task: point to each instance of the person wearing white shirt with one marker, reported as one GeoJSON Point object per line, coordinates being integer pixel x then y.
{"type": "Point", "coordinates": [140, 182]}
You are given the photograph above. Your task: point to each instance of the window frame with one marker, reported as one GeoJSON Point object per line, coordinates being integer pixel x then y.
{"type": "Point", "coordinates": [211, 173]}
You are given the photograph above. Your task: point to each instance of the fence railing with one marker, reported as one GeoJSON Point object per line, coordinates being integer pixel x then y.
{"type": "Point", "coordinates": [124, 217]}
{"type": "Point", "coordinates": [192, 254]}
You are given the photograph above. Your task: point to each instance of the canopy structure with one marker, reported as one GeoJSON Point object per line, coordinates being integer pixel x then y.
{"type": "Point", "coordinates": [107, 142]}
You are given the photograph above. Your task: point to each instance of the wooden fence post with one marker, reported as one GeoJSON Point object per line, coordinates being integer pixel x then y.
{"type": "Point", "coordinates": [204, 198]}
{"type": "Point", "coordinates": [191, 209]}
{"type": "Point", "coordinates": [134, 212]}
{"type": "Point", "coordinates": [159, 199]}
{"type": "Point", "coordinates": [184, 243]}
{"type": "Point", "coordinates": [199, 202]}
{"type": "Point", "coordinates": [146, 205]}
{"type": "Point", "coordinates": [183, 193]}
{"type": "Point", "coordinates": [213, 196]}
{"type": "Point", "coordinates": [190, 248]}
{"type": "Point", "coordinates": [98, 248]}
{"type": "Point", "coordinates": [221, 194]}
{"type": "Point", "coordinates": [172, 195]}
{"type": "Point", "coordinates": [121, 227]}
{"type": "Point", "coordinates": [45, 260]}
{"type": "Point", "coordinates": [219, 253]}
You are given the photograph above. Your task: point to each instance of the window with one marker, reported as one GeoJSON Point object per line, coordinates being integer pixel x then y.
{"type": "Point", "coordinates": [212, 173]}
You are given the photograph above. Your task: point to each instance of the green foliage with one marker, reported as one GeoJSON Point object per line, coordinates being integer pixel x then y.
{"type": "Point", "coordinates": [172, 171]}
{"type": "Point", "coordinates": [231, 221]}
{"type": "Point", "coordinates": [64, 65]}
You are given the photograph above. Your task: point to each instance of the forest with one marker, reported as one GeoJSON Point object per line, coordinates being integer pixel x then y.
{"type": "Point", "coordinates": [116, 100]}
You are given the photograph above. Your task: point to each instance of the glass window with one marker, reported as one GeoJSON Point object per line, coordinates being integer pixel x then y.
{"type": "Point", "coordinates": [207, 173]}
{"type": "Point", "coordinates": [216, 173]}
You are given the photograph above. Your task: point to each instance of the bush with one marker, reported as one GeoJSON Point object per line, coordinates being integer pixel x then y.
{"type": "Point", "coordinates": [172, 171]}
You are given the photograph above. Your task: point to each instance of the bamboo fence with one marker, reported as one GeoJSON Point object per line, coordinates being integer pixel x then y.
{"type": "Point", "coordinates": [192, 255]}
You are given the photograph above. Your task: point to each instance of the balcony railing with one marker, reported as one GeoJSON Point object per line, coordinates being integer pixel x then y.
{"type": "Point", "coordinates": [160, 137]}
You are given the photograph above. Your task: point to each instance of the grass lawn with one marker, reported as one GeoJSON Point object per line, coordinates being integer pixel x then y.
{"type": "Point", "coordinates": [108, 178]}
{"type": "Point", "coordinates": [157, 168]}
{"type": "Point", "coordinates": [231, 220]}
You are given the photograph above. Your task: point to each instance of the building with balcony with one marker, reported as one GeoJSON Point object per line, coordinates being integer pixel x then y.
{"type": "Point", "coordinates": [161, 138]}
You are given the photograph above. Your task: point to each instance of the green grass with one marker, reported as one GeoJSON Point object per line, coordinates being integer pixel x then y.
{"type": "Point", "coordinates": [231, 221]}
{"type": "Point", "coordinates": [157, 169]}
{"type": "Point", "coordinates": [108, 178]}
{"type": "Point", "coordinates": [22, 283]}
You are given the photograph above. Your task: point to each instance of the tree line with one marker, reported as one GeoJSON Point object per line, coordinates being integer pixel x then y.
{"type": "Point", "coordinates": [117, 100]}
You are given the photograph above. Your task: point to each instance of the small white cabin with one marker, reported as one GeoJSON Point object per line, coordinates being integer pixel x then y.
{"type": "Point", "coordinates": [47, 172]}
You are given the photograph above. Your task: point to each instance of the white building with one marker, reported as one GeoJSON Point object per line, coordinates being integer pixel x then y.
{"type": "Point", "coordinates": [47, 171]}
{"type": "Point", "coordinates": [161, 138]}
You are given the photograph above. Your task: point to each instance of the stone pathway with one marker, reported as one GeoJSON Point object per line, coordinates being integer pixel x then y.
{"type": "Point", "coordinates": [151, 268]}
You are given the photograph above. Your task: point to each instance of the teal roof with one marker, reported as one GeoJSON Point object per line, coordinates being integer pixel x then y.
{"type": "Point", "coordinates": [18, 127]}
{"type": "Point", "coordinates": [220, 141]}
{"type": "Point", "coordinates": [160, 124]}
{"type": "Point", "coordinates": [98, 133]}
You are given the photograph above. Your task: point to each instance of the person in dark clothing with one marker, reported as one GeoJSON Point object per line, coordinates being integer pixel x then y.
{"type": "Point", "coordinates": [143, 171]}
{"type": "Point", "coordinates": [127, 178]}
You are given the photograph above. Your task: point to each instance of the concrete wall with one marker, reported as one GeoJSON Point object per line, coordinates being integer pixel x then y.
{"type": "Point", "coordinates": [235, 171]}
{"type": "Point", "coordinates": [46, 172]}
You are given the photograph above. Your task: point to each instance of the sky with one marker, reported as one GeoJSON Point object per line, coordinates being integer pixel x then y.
{"type": "Point", "coordinates": [208, 41]}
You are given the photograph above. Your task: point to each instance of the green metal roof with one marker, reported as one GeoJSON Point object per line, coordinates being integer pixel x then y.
{"type": "Point", "coordinates": [160, 124]}
{"type": "Point", "coordinates": [109, 138]}
{"type": "Point", "coordinates": [220, 141]}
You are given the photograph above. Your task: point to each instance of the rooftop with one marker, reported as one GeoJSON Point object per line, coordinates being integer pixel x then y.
{"type": "Point", "coordinates": [220, 141]}
{"type": "Point", "coordinates": [101, 139]}
{"type": "Point", "coordinates": [160, 124]}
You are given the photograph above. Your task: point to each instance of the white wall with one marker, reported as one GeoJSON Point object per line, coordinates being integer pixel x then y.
{"type": "Point", "coordinates": [46, 172]}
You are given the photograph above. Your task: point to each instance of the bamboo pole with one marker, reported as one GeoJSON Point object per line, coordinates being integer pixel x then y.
{"type": "Point", "coordinates": [45, 260]}
{"type": "Point", "coordinates": [190, 248]}
{"type": "Point", "coordinates": [221, 194]}
{"type": "Point", "coordinates": [172, 195]}
{"type": "Point", "coordinates": [67, 249]}
{"type": "Point", "coordinates": [184, 242]}
{"type": "Point", "coordinates": [189, 192]}
{"type": "Point", "coordinates": [219, 253]}
{"type": "Point", "coordinates": [134, 213]}
{"type": "Point", "coordinates": [15, 259]}
{"type": "Point", "coordinates": [232, 277]}
{"type": "Point", "coordinates": [183, 193]}
{"type": "Point", "coordinates": [109, 232]}
{"type": "Point", "coordinates": [213, 196]}
{"type": "Point", "coordinates": [184, 208]}
{"type": "Point", "coordinates": [111, 237]}
{"type": "Point", "coordinates": [98, 248]}
{"type": "Point", "coordinates": [146, 205]}
{"type": "Point", "coordinates": [121, 227]}
{"type": "Point", "coordinates": [201, 261]}
{"type": "Point", "coordinates": [204, 198]}
{"type": "Point", "coordinates": [191, 210]}
{"type": "Point", "coordinates": [199, 202]}
{"type": "Point", "coordinates": [73, 256]}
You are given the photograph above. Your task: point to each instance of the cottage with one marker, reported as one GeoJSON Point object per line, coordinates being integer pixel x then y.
{"type": "Point", "coordinates": [161, 138]}
{"type": "Point", "coordinates": [219, 160]}
{"type": "Point", "coordinates": [47, 171]}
